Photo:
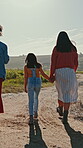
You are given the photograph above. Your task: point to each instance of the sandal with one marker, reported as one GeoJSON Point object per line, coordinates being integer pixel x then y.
{"type": "Point", "coordinates": [30, 122]}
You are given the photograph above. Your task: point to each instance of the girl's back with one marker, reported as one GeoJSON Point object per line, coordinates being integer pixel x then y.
{"type": "Point", "coordinates": [32, 72]}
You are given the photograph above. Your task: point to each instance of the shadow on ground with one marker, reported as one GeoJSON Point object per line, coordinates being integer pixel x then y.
{"type": "Point", "coordinates": [76, 137]}
{"type": "Point", "coordinates": [35, 135]}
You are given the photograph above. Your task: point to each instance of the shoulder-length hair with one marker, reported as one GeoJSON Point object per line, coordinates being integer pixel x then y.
{"type": "Point", "coordinates": [64, 44]}
{"type": "Point", "coordinates": [31, 61]}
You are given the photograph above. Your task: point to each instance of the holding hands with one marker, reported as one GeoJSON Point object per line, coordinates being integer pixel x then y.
{"type": "Point", "coordinates": [52, 79]}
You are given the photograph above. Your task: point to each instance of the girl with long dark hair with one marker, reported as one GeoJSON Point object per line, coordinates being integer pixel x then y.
{"type": "Point", "coordinates": [64, 62]}
{"type": "Point", "coordinates": [32, 83]}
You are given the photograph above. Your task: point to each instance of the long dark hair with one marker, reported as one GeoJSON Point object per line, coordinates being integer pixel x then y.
{"type": "Point", "coordinates": [31, 61]}
{"type": "Point", "coordinates": [63, 43]}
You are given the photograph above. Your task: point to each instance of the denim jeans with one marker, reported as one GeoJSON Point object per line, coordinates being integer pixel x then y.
{"type": "Point", "coordinates": [34, 86]}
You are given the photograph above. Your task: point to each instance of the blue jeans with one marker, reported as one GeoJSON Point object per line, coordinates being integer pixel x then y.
{"type": "Point", "coordinates": [34, 86]}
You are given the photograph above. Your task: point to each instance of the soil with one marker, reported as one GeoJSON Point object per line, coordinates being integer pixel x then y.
{"type": "Point", "coordinates": [48, 131]}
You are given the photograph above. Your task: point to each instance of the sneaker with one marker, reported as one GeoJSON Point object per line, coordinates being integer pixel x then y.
{"type": "Point", "coordinates": [30, 122]}
{"type": "Point", "coordinates": [36, 115]}
{"type": "Point", "coordinates": [60, 111]}
{"type": "Point", "coordinates": [65, 117]}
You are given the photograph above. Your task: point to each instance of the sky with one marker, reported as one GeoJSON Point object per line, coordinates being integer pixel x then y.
{"type": "Point", "coordinates": [33, 25]}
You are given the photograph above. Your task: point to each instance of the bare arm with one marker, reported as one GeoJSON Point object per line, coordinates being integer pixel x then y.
{"type": "Point", "coordinates": [25, 78]}
{"type": "Point", "coordinates": [43, 74]}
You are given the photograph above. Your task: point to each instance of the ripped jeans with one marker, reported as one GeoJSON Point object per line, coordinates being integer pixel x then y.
{"type": "Point", "coordinates": [34, 86]}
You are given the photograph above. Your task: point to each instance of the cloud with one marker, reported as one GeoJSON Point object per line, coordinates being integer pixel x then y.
{"type": "Point", "coordinates": [39, 46]}
{"type": "Point", "coordinates": [3, 2]}
{"type": "Point", "coordinates": [77, 36]}
{"type": "Point", "coordinates": [44, 46]}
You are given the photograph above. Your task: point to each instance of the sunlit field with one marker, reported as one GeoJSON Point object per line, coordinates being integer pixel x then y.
{"type": "Point", "coordinates": [14, 82]}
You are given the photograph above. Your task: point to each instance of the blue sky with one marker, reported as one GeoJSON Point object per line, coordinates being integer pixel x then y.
{"type": "Point", "coordinates": [33, 25]}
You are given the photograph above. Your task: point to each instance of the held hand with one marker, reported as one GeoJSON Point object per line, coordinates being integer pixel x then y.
{"type": "Point", "coordinates": [52, 79]}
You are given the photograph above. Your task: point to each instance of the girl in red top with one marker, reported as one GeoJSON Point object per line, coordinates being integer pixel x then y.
{"type": "Point", "coordinates": [64, 62]}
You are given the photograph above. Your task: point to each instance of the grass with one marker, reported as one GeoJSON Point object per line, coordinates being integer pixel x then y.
{"type": "Point", "coordinates": [14, 82]}
{"type": "Point", "coordinates": [79, 72]}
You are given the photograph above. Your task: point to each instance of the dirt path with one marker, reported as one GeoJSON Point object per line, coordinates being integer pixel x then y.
{"type": "Point", "coordinates": [48, 132]}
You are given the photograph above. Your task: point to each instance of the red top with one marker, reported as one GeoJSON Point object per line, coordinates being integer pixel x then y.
{"type": "Point", "coordinates": [63, 60]}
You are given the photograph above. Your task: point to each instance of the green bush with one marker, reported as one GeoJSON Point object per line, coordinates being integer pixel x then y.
{"type": "Point", "coordinates": [15, 81]}
{"type": "Point", "coordinates": [13, 74]}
